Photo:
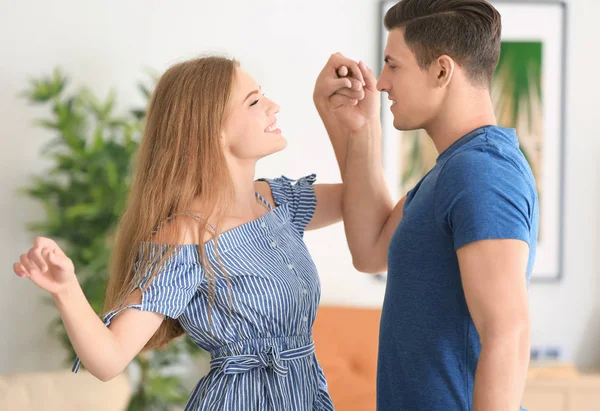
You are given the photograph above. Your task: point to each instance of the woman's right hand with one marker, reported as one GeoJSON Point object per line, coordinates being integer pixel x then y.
{"type": "Point", "coordinates": [47, 266]}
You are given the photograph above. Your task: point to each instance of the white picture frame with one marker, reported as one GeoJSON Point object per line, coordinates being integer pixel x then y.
{"type": "Point", "coordinates": [530, 22]}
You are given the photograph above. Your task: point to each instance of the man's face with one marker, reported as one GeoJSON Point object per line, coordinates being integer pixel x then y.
{"type": "Point", "coordinates": [413, 90]}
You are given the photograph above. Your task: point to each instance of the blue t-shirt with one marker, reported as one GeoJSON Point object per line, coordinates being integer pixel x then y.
{"type": "Point", "coordinates": [480, 188]}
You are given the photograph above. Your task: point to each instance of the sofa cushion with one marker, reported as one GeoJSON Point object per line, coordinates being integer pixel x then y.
{"type": "Point", "coordinates": [346, 342]}
{"type": "Point", "coordinates": [63, 391]}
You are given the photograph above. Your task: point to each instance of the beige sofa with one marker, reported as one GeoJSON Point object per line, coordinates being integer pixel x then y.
{"type": "Point", "coordinates": [63, 391]}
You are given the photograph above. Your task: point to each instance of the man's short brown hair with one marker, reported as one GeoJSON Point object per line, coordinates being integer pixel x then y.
{"type": "Point", "coordinates": [466, 30]}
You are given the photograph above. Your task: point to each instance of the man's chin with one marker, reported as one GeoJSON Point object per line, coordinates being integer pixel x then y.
{"type": "Point", "coordinates": [404, 126]}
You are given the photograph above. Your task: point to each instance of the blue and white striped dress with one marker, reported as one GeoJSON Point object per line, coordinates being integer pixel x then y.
{"type": "Point", "coordinates": [261, 347]}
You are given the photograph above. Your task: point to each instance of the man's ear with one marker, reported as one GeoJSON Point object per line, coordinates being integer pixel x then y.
{"type": "Point", "coordinates": [443, 70]}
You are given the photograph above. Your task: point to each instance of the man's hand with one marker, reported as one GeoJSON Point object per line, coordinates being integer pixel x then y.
{"type": "Point", "coordinates": [347, 90]}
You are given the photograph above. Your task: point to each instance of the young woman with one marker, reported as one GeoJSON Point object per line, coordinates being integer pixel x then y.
{"type": "Point", "coordinates": [204, 249]}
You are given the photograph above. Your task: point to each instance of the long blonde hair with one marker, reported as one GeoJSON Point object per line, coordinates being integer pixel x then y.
{"type": "Point", "coordinates": [180, 160]}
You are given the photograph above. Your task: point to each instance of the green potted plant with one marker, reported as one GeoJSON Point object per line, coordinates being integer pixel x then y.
{"type": "Point", "coordinates": [83, 194]}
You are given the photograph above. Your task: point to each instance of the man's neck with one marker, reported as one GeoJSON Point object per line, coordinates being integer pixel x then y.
{"type": "Point", "coordinates": [461, 115]}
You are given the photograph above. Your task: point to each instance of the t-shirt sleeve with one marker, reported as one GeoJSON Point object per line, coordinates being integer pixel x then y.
{"type": "Point", "coordinates": [482, 195]}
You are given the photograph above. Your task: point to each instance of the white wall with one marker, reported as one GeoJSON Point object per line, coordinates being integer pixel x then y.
{"type": "Point", "coordinates": [568, 314]}
{"type": "Point", "coordinates": [284, 45]}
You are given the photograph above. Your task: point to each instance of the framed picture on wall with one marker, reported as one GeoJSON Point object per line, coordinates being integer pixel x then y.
{"type": "Point", "coordinates": [528, 92]}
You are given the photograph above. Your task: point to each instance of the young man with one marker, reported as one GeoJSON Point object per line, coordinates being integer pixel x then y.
{"type": "Point", "coordinates": [459, 248]}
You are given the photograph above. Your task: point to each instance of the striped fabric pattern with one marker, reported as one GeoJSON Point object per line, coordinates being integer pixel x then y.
{"type": "Point", "coordinates": [260, 340]}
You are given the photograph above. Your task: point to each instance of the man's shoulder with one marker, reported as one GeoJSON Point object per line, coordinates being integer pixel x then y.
{"type": "Point", "coordinates": [486, 157]}
{"type": "Point", "coordinates": [484, 168]}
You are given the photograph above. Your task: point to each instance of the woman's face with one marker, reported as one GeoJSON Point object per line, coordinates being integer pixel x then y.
{"type": "Point", "coordinates": [250, 131]}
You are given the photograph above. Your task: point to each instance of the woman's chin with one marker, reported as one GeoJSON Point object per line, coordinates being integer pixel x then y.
{"type": "Point", "coordinates": [275, 146]}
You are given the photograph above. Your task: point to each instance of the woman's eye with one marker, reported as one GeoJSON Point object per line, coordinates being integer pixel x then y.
{"type": "Point", "coordinates": [255, 101]}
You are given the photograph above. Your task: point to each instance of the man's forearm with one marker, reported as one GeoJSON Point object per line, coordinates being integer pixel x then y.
{"type": "Point", "coordinates": [501, 373]}
{"type": "Point", "coordinates": [367, 204]}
